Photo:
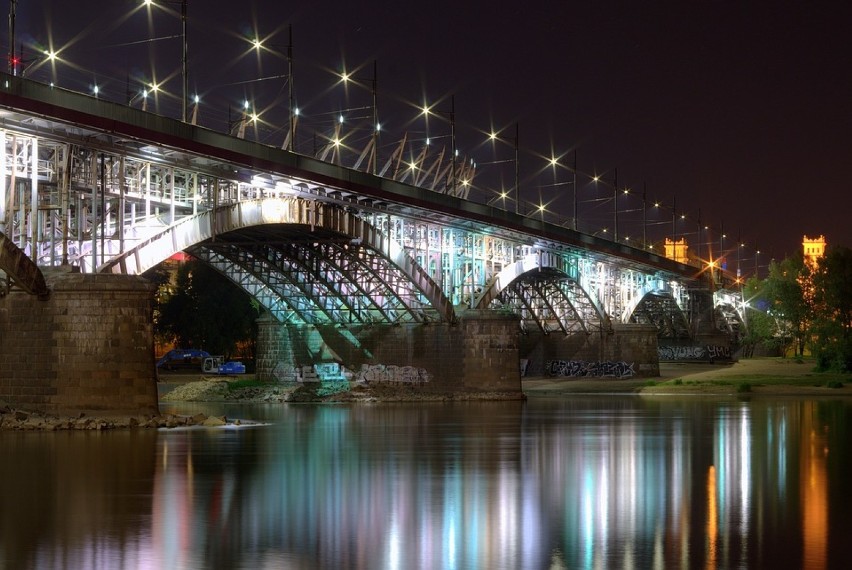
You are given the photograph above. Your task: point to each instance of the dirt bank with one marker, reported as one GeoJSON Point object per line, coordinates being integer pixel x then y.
{"type": "Point", "coordinates": [754, 375]}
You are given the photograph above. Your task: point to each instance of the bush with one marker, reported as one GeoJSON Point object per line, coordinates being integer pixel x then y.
{"type": "Point", "coordinates": [677, 382]}
{"type": "Point", "coordinates": [744, 387]}
{"type": "Point", "coordinates": [835, 384]}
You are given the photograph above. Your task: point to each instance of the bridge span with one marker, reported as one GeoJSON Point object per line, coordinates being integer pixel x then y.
{"type": "Point", "coordinates": [355, 272]}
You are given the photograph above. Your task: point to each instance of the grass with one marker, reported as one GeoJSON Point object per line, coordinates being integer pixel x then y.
{"type": "Point", "coordinates": [244, 383]}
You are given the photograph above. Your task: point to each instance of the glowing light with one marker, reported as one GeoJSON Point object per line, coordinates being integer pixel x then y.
{"type": "Point", "coordinates": [254, 117]}
{"type": "Point", "coordinates": [344, 77]}
{"type": "Point", "coordinates": [378, 127]}
{"type": "Point", "coordinates": [340, 119]}
{"type": "Point", "coordinates": [492, 136]}
{"type": "Point", "coordinates": [596, 178]}
{"type": "Point", "coordinates": [553, 161]}
{"type": "Point", "coordinates": [656, 204]}
{"type": "Point", "coordinates": [50, 55]}
{"type": "Point", "coordinates": [95, 90]}
{"type": "Point", "coordinates": [197, 99]}
{"type": "Point", "coordinates": [425, 109]}
{"type": "Point", "coordinates": [412, 165]}
{"type": "Point", "coordinates": [427, 141]}
{"type": "Point", "coordinates": [296, 112]}
{"type": "Point", "coordinates": [336, 142]}
{"type": "Point", "coordinates": [245, 104]}
{"type": "Point", "coordinates": [257, 44]}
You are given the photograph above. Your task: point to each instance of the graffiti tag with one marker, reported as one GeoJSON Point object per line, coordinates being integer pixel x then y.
{"type": "Point", "coordinates": [602, 369]}
{"type": "Point", "coordinates": [711, 352]}
{"type": "Point", "coordinates": [390, 373]}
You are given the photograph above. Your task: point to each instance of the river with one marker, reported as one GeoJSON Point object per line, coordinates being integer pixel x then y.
{"type": "Point", "coordinates": [569, 482]}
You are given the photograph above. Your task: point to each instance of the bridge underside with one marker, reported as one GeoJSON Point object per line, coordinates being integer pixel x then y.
{"type": "Point", "coordinates": [661, 310]}
{"type": "Point", "coordinates": [314, 276]}
{"type": "Point", "coordinates": [549, 300]}
{"type": "Point", "coordinates": [20, 269]}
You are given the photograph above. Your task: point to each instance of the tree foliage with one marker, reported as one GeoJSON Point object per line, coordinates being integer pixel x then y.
{"type": "Point", "coordinates": [832, 301]}
{"type": "Point", "coordinates": [787, 290]}
{"type": "Point", "coordinates": [761, 326]}
{"type": "Point", "coordinates": [202, 309]}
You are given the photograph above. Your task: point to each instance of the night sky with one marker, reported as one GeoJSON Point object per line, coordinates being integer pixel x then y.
{"type": "Point", "coordinates": [737, 110]}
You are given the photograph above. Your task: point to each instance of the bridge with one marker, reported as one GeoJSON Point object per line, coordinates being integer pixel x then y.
{"type": "Point", "coordinates": [355, 268]}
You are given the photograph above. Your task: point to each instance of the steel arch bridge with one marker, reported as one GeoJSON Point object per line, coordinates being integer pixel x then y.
{"type": "Point", "coordinates": [107, 188]}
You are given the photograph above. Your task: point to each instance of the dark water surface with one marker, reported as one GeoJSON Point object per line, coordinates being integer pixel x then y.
{"type": "Point", "coordinates": [574, 482]}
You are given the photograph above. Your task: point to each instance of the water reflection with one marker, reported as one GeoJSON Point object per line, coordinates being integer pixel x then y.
{"type": "Point", "coordinates": [583, 482]}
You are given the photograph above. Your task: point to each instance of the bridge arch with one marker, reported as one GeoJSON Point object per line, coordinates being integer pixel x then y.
{"type": "Point", "coordinates": [659, 308]}
{"type": "Point", "coordinates": [540, 288]}
{"type": "Point", "coordinates": [314, 257]}
{"type": "Point", "coordinates": [21, 269]}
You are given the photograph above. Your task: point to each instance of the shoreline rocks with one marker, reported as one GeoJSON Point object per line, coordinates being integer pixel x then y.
{"type": "Point", "coordinates": [23, 420]}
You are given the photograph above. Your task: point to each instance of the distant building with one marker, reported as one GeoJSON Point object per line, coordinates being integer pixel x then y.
{"type": "Point", "coordinates": [813, 249]}
{"type": "Point", "coordinates": [676, 250]}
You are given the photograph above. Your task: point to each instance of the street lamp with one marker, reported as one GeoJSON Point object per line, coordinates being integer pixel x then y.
{"type": "Point", "coordinates": [615, 207]}
{"type": "Point", "coordinates": [13, 6]}
{"type": "Point", "coordinates": [493, 136]}
{"type": "Point", "coordinates": [292, 110]}
{"type": "Point", "coordinates": [427, 110]}
{"type": "Point", "coordinates": [184, 58]}
{"type": "Point", "coordinates": [375, 127]}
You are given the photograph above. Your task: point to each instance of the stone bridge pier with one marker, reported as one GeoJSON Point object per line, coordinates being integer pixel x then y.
{"type": "Point", "coordinates": [87, 346]}
{"type": "Point", "coordinates": [482, 352]}
{"type": "Point", "coordinates": [477, 354]}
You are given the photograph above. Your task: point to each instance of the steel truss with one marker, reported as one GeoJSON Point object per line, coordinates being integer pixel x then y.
{"type": "Point", "coordinates": [552, 302]}
{"type": "Point", "coordinates": [661, 310]}
{"type": "Point", "coordinates": [331, 281]}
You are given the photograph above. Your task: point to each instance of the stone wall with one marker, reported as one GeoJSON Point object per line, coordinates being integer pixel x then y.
{"type": "Point", "coordinates": [479, 353]}
{"type": "Point", "coordinates": [630, 343]}
{"type": "Point", "coordinates": [88, 347]}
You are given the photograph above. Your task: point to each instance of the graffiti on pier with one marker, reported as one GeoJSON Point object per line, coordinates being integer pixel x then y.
{"type": "Point", "coordinates": [596, 369]}
{"type": "Point", "coordinates": [718, 352]}
{"type": "Point", "coordinates": [707, 352]}
{"type": "Point", "coordinates": [390, 373]}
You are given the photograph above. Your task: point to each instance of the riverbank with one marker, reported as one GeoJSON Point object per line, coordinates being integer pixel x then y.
{"type": "Point", "coordinates": [754, 376]}
{"type": "Point", "coordinates": [763, 376]}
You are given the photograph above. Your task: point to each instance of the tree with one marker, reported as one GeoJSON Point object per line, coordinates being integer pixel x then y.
{"type": "Point", "coordinates": [787, 288]}
{"type": "Point", "coordinates": [205, 310]}
{"type": "Point", "coordinates": [761, 326]}
{"type": "Point", "coordinates": [832, 301]}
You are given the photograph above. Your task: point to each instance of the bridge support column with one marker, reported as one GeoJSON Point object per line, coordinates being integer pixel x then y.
{"type": "Point", "coordinates": [88, 347]}
{"type": "Point", "coordinates": [479, 354]}
{"type": "Point", "coordinates": [634, 345]}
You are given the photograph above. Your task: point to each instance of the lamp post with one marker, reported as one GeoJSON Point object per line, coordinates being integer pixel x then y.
{"type": "Point", "coordinates": [515, 191]}
{"type": "Point", "coordinates": [290, 94]}
{"type": "Point", "coordinates": [517, 173]}
{"type": "Point", "coordinates": [427, 110]}
{"type": "Point", "coordinates": [644, 216]}
{"type": "Point", "coordinates": [615, 208]}
{"type": "Point", "coordinates": [574, 184]}
{"type": "Point", "coordinates": [185, 52]}
{"type": "Point", "coordinates": [376, 126]}
{"type": "Point", "coordinates": [757, 263]}
{"type": "Point", "coordinates": [13, 5]}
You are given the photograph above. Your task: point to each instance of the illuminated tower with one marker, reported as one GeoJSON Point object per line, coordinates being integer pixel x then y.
{"type": "Point", "coordinates": [676, 250]}
{"type": "Point", "coordinates": [813, 249]}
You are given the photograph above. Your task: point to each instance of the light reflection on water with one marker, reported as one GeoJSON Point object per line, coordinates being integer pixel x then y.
{"type": "Point", "coordinates": [585, 482]}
